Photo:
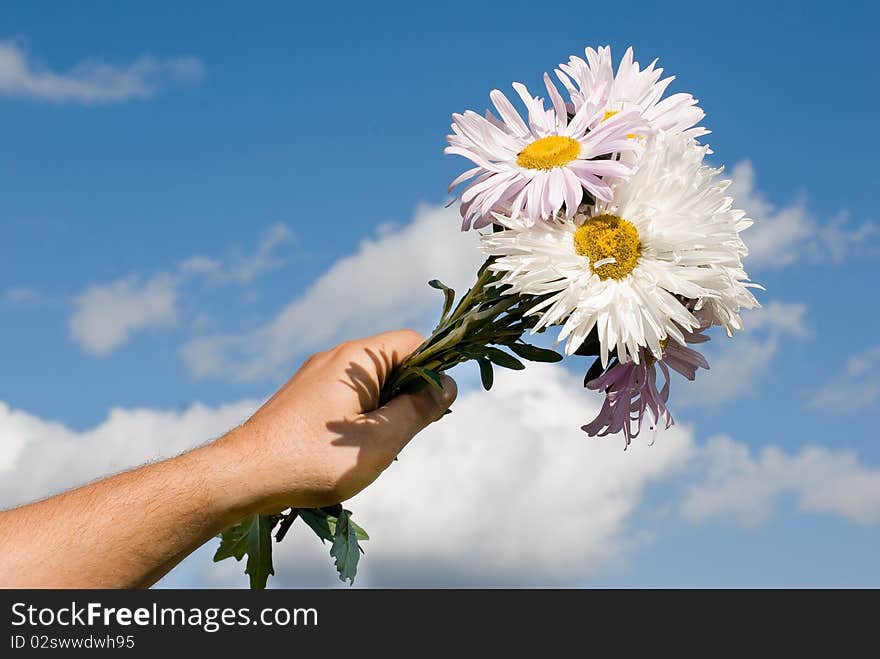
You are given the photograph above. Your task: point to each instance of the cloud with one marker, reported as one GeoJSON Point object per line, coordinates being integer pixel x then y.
{"type": "Point", "coordinates": [738, 364]}
{"type": "Point", "coordinates": [91, 81]}
{"type": "Point", "coordinates": [243, 267]}
{"type": "Point", "coordinates": [745, 488]}
{"type": "Point", "coordinates": [782, 236]}
{"type": "Point", "coordinates": [39, 458]}
{"type": "Point", "coordinates": [507, 493]}
{"type": "Point", "coordinates": [858, 387]}
{"type": "Point", "coordinates": [106, 315]}
{"type": "Point", "coordinates": [381, 286]}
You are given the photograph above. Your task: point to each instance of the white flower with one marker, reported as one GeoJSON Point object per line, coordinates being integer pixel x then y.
{"type": "Point", "coordinates": [531, 170]}
{"type": "Point", "coordinates": [593, 83]}
{"type": "Point", "coordinates": [626, 266]}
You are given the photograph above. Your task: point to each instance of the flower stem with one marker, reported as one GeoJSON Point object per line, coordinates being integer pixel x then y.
{"type": "Point", "coordinates": [481, 317]}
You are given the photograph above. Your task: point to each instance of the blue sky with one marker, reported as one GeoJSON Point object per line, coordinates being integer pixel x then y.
{"type": "Point", "coordinates": [173, 178]}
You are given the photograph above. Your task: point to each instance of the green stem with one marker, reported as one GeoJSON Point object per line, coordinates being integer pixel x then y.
{"type": "Point", "coordinates": [476, 321]}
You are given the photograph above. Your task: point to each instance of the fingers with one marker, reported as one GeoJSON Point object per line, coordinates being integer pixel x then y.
{"type": "Point", "coordinates": [394, 346]}
{"type": "Point", "coordinates": [367, 363]}
{"type": "Point", "coordinates": [396, 422]}
{"type": "Point", "coordinates": [402, 342]}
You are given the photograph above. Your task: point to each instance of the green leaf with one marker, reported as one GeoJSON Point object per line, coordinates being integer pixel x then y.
{"type": "Point", "coordinates": [503, 359]}
{"type": "Point", "coordinates": [345, 548]}
{"type": "Point", "coordinates": [324, 524]}
{"type": "Point", "coordinates": [286, 522]}
{"type": "Point", "coordinates": [319, 521]}
{"type": "Point", "coordinates": [234, 541]}
{"type": "Point", "coordinates": [534, 353]}
{"type": "Point", "coordinates": [359, 533]}
{"type": "Point", "coordinates": [485, 265]}
{"type": "Point", "coordinates": [428, 376]}
{"type": "Point", "coordinates": [486, 374]}
{"type": "Point", "coordinates": [259, 563]}
{"type": "Point", "coordinates": [448, 294]}
{"type": "Point", "coordinates": [333, 511]}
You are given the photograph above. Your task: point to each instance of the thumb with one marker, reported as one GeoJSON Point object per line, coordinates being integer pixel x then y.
{"type": "Point", "coordinates": [407, 414]}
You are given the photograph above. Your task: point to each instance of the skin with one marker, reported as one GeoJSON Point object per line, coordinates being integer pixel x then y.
{"type": "Point", "coordinates": [318, 441]}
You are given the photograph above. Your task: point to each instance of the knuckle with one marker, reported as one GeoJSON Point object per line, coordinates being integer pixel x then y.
{"type": "Point", "coordinates": [411, 335]}
{"type": "Point", "coordinates": [312, 359]}
{"type": "Point", "coordinates": [344, 348]}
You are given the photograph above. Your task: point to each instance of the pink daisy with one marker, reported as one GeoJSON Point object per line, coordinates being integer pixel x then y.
{"type": "Point", "coordinates": [531, 170]}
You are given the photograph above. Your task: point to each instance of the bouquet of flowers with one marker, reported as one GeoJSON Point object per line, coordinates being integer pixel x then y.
{"type": "Point", "coordinates": [599, 217]}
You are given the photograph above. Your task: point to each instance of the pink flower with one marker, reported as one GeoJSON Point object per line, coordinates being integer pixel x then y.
{"type": "Point", "coordinates": [531, 168]}
{"type": "Point", "coordinates": [631, 389]}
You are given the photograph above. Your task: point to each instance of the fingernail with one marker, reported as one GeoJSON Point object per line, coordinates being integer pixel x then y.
{"type": "Point", "coordinates": [444, 397]}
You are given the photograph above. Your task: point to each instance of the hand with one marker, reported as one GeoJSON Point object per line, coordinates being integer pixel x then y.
{"type": "Point", "coordinates": [320, 439]}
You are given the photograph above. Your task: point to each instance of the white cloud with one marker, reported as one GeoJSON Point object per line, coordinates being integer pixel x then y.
{"type": "Point", "coordinates": [782, 236]}
{"type": "Point", "coordinates": [738, 364]}
{"type": "Point", "coordinates": [105, 315]}
{"type": "Point", "coordinates": [91, 81]}
{"type": "Point", "coordinates": [867, 361]}
{"type": "Point", "coordinates": [39, 458]}
{"type": "Point", "coordinates": [837, 239]}
{"type": "Point", "coordinates": [783, 317]}
{"type": "Point", "coordinates": [858, 387]}
{"type": "Point", "coordinates": [381, 286]}
{"type": "Point", "coordinates": [746, 488]}
{"type": "Point", "coordinates": [243, 267]}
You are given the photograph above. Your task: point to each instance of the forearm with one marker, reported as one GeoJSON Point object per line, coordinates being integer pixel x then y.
{"type": "Point", "coordinates": [125, 531]}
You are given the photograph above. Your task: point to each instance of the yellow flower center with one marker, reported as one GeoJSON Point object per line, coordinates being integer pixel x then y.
{"type": "Point", "coordinates": [549, 152]}
{"type": "Point", "coordinates": [611, 243]}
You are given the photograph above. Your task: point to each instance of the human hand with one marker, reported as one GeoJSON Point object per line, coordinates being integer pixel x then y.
{"type": "Point", "coordinates": [321, 439]}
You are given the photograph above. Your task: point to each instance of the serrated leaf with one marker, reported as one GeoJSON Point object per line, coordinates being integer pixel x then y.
{"type": "Point", "coordinates": [234, 541]}
{"type": "Point", "coordinates": [503, 359]}
{"type": "Point", "coordinates": [318, 521]}
{"type": "Point", "coordinates": [259, 553]}
{"type": "Point", "coordinates": [359, 532]}
{"type": "Point", "coordinates": [324, 524]}
{"type": "Point", "coordinates": [448, 295]}
{"type": "Point", "coordinates": [534, 353]}
{"type": "Point", "coordinates": [345, 548]}
{"type": "Point", "coordinates": [486, 374]}
{"type": "Point", "coordinates": [285, 524]}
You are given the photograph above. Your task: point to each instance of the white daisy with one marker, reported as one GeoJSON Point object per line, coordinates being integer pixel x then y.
{"type": "Point", "coordinates": [532, 170]}
{"type": "Point", "coordinates": [593, 83]}
{"type": "Point", "coordinates": [624, 266]}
